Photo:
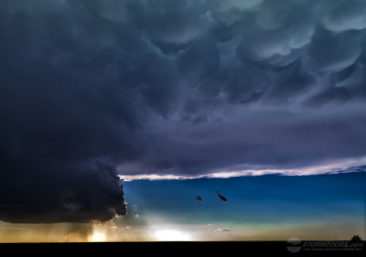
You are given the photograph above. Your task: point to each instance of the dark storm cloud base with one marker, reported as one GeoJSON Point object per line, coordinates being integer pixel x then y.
{"type": "Point", "coordinates": [77, 196]}
{"type": "Point", "coordinates": [178, 87]}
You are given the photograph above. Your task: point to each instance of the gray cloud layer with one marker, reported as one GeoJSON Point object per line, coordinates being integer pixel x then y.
{"type": "Point", "coordinates": [181, 87]}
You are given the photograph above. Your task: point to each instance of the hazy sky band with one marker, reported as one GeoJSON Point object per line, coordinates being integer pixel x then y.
{"type": "Point", "coordinates": [321, 207]}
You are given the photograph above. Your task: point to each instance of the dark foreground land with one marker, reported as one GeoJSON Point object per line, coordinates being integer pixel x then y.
{"type": "Point", "coordinates": [184, 248]}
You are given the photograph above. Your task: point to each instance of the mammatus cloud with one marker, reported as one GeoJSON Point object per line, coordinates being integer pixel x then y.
{"type": "Point", "coordinates": [346, 15]}
{"type": "Point", "coordinates": [180, 88]}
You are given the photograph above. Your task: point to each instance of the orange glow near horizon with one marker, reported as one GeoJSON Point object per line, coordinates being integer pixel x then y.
{"type": "Point", "coordinates": [109, 232]}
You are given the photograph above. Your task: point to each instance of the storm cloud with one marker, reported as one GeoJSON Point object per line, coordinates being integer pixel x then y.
{"type": "Point", "coordinates": [91, 88]}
